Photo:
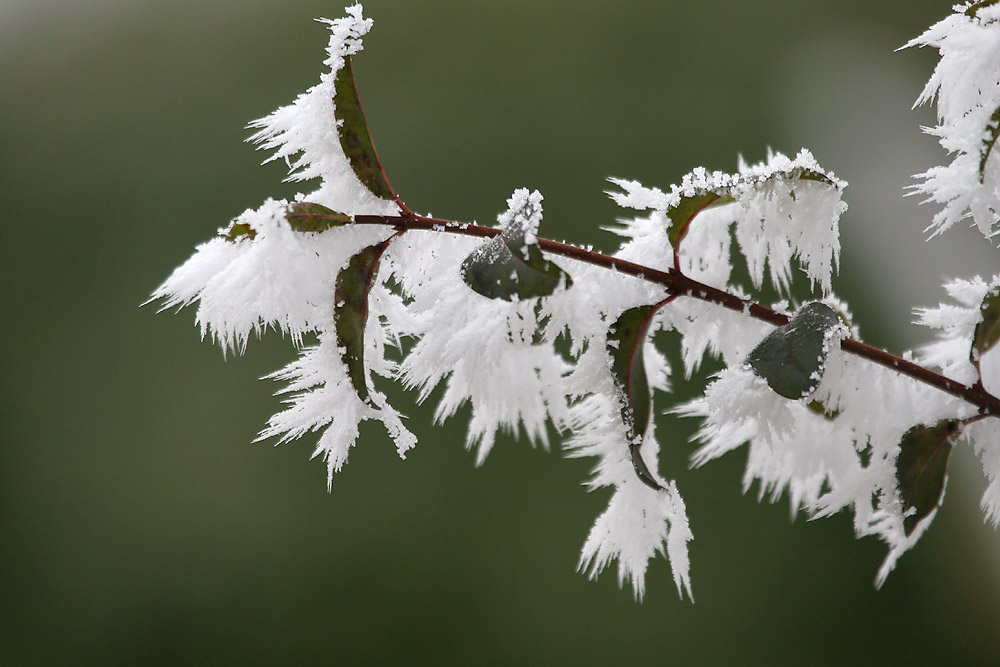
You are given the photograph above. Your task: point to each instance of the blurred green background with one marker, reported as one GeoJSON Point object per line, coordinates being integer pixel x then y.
{"type": "Point", "coordinates": [139, 524]}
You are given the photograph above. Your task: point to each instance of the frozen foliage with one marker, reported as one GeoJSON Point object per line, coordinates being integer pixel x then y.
{"type": "Point", "coordinates": [834, 450]}
{"type": "Point", "coordinates": [281, 279]}
{"type": "Point", "coordinates": [538, 338]}
{"type": "Point", "coordinates": [304, 133]}
{"type": "Point", "coordinates": [967, 89]}
{"type": "Point", "coordinates": [957, 326]}
{"type": "Point", "coordinates": [784, 208]}
{"type": "Point", "coordinates": [285, 279]}
{"type": "Point", "coordinates": [484, 350]}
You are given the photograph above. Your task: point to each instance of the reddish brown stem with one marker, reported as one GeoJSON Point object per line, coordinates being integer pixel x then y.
{"type": "Point", "coordinates": [679, 284]}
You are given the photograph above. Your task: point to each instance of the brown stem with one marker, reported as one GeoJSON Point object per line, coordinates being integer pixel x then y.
{"type": "Point", "coordinates": [679, 284]}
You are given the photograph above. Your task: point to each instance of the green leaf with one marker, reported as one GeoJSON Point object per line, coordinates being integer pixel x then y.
{"type": "Point", "coordinates": [355, 138]}
{"type": "Point", "coordinates": [302, 216]}
{"type": "Point", "coordinates": [820, 408]}
{"type": "Point", "coordinates": [922, 467]}
{"type": "Point", "coordinates": [683, 213]}
{"type": "Point", "coordinates": [238, 230]}
{"type": "Point", "coordinates": [987, 332]}
{"type": "Point", "coordinates": [511, 266]}
{"type": "Point", "coordinates": [625, 344]}
{"type": "Point", "coordinates": [792, 358]}
{"type": "Point", "coordinates": [305, 216]}
{"type": "Point", "coordinates": [973, 10]}
{"type": "Point", "coordinates": [351, 313]}
{"type": "Point", "coordinates": [992, 132]}
{"type": "Point", "coordinates": [510, 269]}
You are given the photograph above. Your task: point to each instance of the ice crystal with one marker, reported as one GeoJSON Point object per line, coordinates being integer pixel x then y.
{"type": "Point", "coordinates": [967, 89]}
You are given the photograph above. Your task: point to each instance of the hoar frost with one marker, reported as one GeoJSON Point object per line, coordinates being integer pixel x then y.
{"type": "Point", "coordinates": [782, 208]}
{"type": "Point", "coordinates": [527, 360]}
{"type": "Point", "coordinates": [967, 88]}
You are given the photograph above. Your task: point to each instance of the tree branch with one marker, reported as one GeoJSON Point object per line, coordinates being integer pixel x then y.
{"type": "Point", "coordinates": [679, 284]}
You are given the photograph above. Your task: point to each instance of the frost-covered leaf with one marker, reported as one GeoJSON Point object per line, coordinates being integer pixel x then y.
{"type": "Point", "coordinates": [967, 91]}
{"type": "Point", "coordinates": [681, 214]}
{"type": "Point", "coordinates": [955, 350]}
{"type": "Point", "coordinates": [922, 467]}
{"type": "Point", "coordinates": [626, 339]}
{"type": "Point", "coordinates": [323, 135]}
{"type": "Point", "coordinates": [698, 190]}
{"type": "Point", "coordinates": [355, 137]}
{"type": "Point", "coordinates": [511, 266]}
{"type": "Point", "coordinates": [987, 332]}
{"type": "Point", "coordinates": [238, 230]}
{"type": "Point", "coordinates": [301, 216]}
{"type": "Point", "coordinates": [511, 270]}
{"type": "Point", "coordinates": [351, 313]}
{"type": "Point", "coordinates": [785, 208]}
{"type": "Point", "coordinates": [789, 208]}
{"type": "Point", "coordinates": [972, 11]}
{"type": "Point", "coordinates": [306, 216]}
{"type": "Point", "coordinates": [792, 358]}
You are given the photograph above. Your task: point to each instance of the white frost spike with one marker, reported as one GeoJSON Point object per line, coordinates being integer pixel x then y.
{"type": "Point", "coordinates": [482, 349]}
{"type": "Point", "coordinates": [323, 396]}
{"type": "Point", "coordinates": [967, 89]}
{"type": "Point", "coordinates": [698, 181]}
{"type": "Point", "coordinates": [640, 197]}
{"type": "Point", "coordinates": [778, 215]}
{"type": "Point", "coordinates": [985, 436]}
{"type": "Point", "coordinates": [783, 218]}
{"type": "Point", "coordinates": [957, 324]}
{"type": "Point", "coordinates": [281, 279]}
{"type": "Point", "coordinates": [842, 459]}
{"type": "Point", "coordinates": [639, 521]}
{"type": "Point", "coordinates": [523, 215]}
{"type": "Point", "coordinates": [304, 134]}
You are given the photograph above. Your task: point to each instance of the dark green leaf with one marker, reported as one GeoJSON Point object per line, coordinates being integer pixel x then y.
{"type": "Point", "coordinates": [511, 266]}
{"type": "Point", "coordinates": [681, 215]}
{"type": "Point", "coordinates": [305, 216]}
{"type": "Point", "coordinates": [351, 313]}
{"type": "Point", "coordinates": [625, 344]}
{"type": "Point", "coordinates": [922, 467]}
{"type": "Point", "coordinates": [505, 269]}
{"type": "Point", "coordinates": [992, 132]}
{"type": "Point", "coordinates": [792, 358]}
{"type": "Point", "coordinates": [355, 138]}
{"type": "Point", "coordinates": [988, 330]}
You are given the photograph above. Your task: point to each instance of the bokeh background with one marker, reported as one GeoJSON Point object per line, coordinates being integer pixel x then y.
{"type": "Point", "coordinates": [138, 525]}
